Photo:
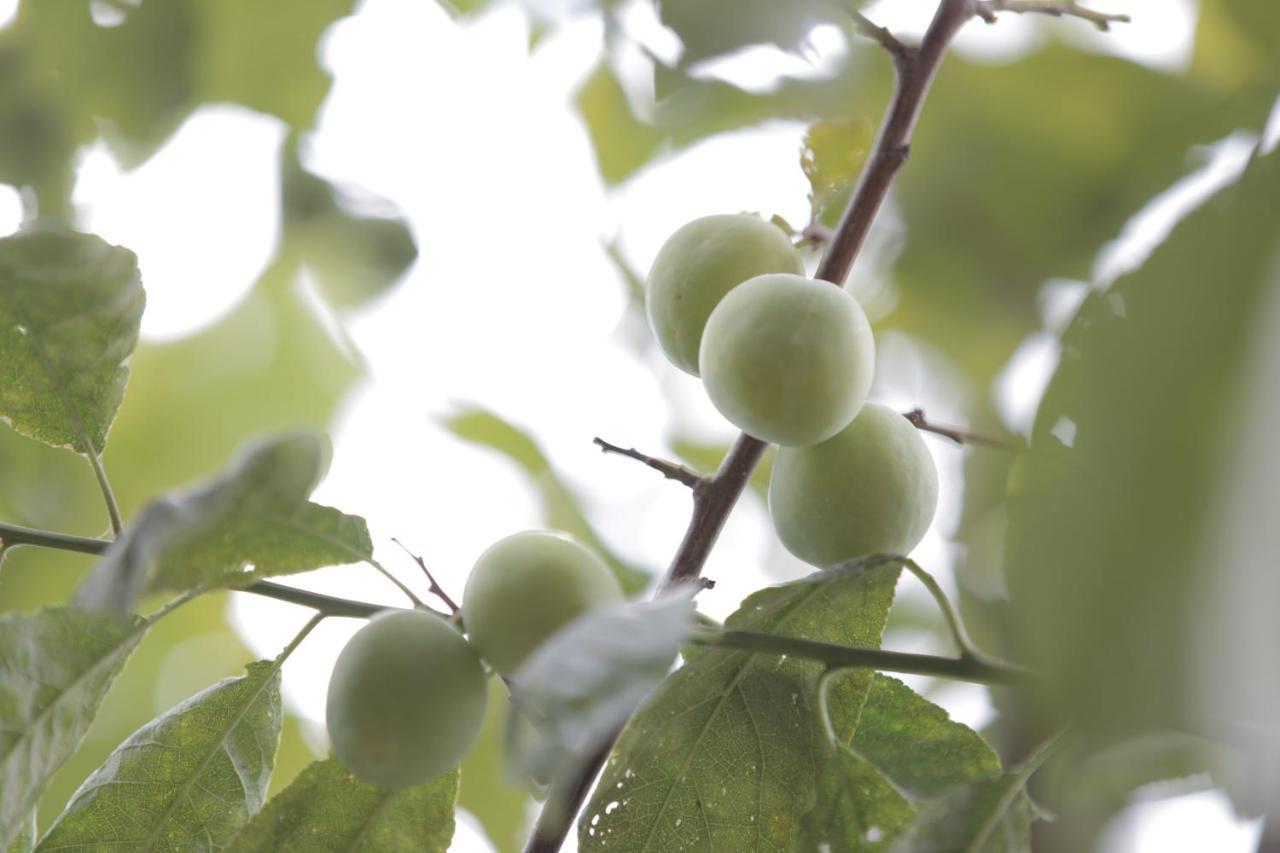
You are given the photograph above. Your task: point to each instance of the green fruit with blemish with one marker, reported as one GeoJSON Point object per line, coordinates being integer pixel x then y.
{"type": "Point", "coordinates": [526, 587]}
{"type": "Point", "coordinates": [788, 359]}
{"type": "Point", "coordinates": [870, 489]}
{"type": "Point", "coordinates": [700, 263]}
{"type": "Point", "coordinates": [406, 699]}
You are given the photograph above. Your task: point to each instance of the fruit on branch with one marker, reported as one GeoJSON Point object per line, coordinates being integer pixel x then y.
{"type": "Point", "coordinates": [788, 359]}
{"type": "Point", "coordinates": [406, 699]}
{"type": "Point", "coordinates": [698, 265]}
{"type": "Point", "coordinates": [871, 489]}
{"type": "Point", "coordinates": [526, 587]}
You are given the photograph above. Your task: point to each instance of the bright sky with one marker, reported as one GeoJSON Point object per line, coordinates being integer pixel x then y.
{"type": "Point", "coordinates": [529, 328]}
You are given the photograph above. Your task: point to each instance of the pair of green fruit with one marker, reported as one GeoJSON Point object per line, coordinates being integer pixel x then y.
{"type": "Point", "coordinates": [790, 360]}
{"type": "Point", "coordinates": [408, 693]}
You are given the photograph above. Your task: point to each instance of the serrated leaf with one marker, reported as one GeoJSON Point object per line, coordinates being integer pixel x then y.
{"type": "Point", "coordinates": [252, 521]}
{"type": "Point", "coordinates": [328, 810]}
{"type": "Point", "coordinates": [580, 686]}
{"type": "Point", "coordinates": [70, 309]}
{"type": "Point", "coordinates": [982, 817]}
{"type": "Point", "coordinates": [55, 668]}
{"type": "Point", "coordinates": [725, 755]}
{"type": "Point", "coordinates": [188, 780]}
{"type": "Point", "coordinates": [905, 749]}
{"type": "Point", "coordinates": [560, 505]}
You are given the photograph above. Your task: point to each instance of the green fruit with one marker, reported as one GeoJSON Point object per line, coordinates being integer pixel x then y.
{"type": "Point", "coordinates": [526, 587]}
{"type": "Point", "coordinates": [872, 489]}
{"type": "Point", "coordinates": [698, 265]}
{"type": "Point", "coordinates": [406, 699]}
{"type": "Point", "coordinates": [788, 359]}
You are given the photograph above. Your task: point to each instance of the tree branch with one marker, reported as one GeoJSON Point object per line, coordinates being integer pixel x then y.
{"type": "Point", "coordinates": [987, 9]}
{"type": "Point", "coordinates": [714, 500]}
{"type": "Point", "coordinates": [959, 436]}
{"type": "Point", "coordinates": [963, 668]}
{"type": "Point", "coordinates": [901, 53]}
{"type": "Point", "coordinates": [670, 470]}
{"type": "Point", "coordinates": [436, 589]}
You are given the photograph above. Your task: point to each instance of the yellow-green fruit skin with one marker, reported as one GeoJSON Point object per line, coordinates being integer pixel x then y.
{"type": "Point", "coordinates": [788, 359]}
{"type": "Point", "coordinates": [698, 265]}
{"type": "Point", "coordinates": [406, 699]}
{"type": "Point", "coordinates": [870, 489]}
{"type": "Point", "coordinates": [526, 587]}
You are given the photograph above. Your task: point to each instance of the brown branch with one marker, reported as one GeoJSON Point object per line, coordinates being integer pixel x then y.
{"type": "Point", "coordinates": [715, 498]}
{"type": "Point", "coordinates": [956, 434]}
{"type": "Point", "coordinates": [670, 470]}
{"type": "Point", "coordinates": [987, 9]}
{"type": "Point", "coordinates": [436, 589]}
{"type": "Point", "coordinates": [901, 53]}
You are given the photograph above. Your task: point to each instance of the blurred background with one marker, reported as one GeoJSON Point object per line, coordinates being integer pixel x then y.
{"type": "Point", "coordinates": [423, 227]}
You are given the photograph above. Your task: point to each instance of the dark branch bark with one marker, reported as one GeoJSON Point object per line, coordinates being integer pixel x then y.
{"type": "Point", "coordinates": [716, 497]}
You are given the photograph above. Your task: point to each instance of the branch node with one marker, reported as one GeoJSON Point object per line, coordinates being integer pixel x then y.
{"type": "Point", "coordinates": [670, 470]}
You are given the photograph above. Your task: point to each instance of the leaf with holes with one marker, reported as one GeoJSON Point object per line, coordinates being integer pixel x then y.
{"type": "Point", "coordinates": [725, 755]}
{"type": "Point", "coordinates": [328, 810]}
{"type": "Point", "coordinates": [252, 521]}
{"type": "Point", "coordinates": [70, 309]}
{"type": "Point", "coordinates": [580, 686]}
{"type": "Point", "coordinates": [55, 668]}
{"type": "Point", "coordinates": [188, 780]}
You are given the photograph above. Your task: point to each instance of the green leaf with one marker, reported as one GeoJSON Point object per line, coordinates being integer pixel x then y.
{"type": "Point", "coordinates": [726, 753]}
{"type": "Point", "coordinates": [1112, 508]}
{"type": "Point", "coordinates": [26, 840]}
{"type": "Point", "coordinates": [189, 779]}
{"type": "Point", "coordinates": [580, 686]}
{"type": "Point", "coordinates": [917, 745]}
{"type": "Point", "coordinates": [328, 810]}
{"type": "Point", "coordinates": [905, 749]}
{"type": "Point", "coordinates": [834, 153]}
{"type": "Point", "coordinates": [709, 28]}
{"type": "Point", "coordinates": [560, 506]}
{"type": "Point", "coordinates": [489, 792]}
{"type": "Point", "coordinates": [70, 308]}
{"type": "Point", "coordinates": [252, 521]}
{"type": "Point", "coordinates": [982, 817]}
{"type": "Point", "coordinates": [55, 668]}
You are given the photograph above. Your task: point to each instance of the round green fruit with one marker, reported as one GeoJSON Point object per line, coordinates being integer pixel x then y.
{"type": "Point", "coordinates": [406, 699]}
{"type": "Point", "coordinates": [871, 489]}
{"type": "Point", "coordinates": [698, 265]}
{"type": "Point", "coordinates": [526, 587]}
{"type": "Point", "coordinates": [788, 359]}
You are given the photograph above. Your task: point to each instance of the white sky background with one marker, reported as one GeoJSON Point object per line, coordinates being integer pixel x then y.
{"type": "Point", "coordinates": [513, 305]}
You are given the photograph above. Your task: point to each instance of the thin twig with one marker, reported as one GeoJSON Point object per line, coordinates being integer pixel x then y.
{"type": "Point", "coordinates": [987, 9]}
{"type": "Point", "coordinates": [13, 534]}
{"type": "Point", "coordinates": [956, 434]}
{"type": "Point", "coordinates": [670, 470]}
{"type": "Point", "coordinates": [716, 497]}
{"type": "Point", "coordinates": [901, 53]}
{"type": "Point", "coordinates": [436, 589]}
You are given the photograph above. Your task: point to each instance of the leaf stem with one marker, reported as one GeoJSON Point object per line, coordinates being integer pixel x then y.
{"type": "Point", "coordinates": [108, 496]}
{"type": "Point", "coordinates": [13, 534]}
{"type": "Point", "coordinates": [1021, 776]}
{"type": "Point", "coordinates": [854, 657]}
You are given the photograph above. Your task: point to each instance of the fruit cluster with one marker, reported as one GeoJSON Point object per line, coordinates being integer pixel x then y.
{"type": "Point", "coordinates": [787, 359]}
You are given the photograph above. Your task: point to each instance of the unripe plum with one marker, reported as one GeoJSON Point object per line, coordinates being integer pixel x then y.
{"type": "Point", "coordinates": [526, 587]}
{"type": "Point", "coordinates": [788, 359]}
{"type": "Point", "coordinates": [871, 489]}
{"type": "Point", "coordinates": [406, 699]}
{"type": "Point", "coordinates": [698, 265]}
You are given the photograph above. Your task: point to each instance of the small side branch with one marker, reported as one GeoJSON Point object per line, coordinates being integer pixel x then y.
{"type": "Point", "coordinates": [436, 589]}
{"type": "Point", "coordinates": [987, 9]}
{"type": "Point", "coordinates": [901, 53]}
{"type": "Point", "coordinates": [959, 436]}
{"type": "Point", "coordinates": [670, 470]}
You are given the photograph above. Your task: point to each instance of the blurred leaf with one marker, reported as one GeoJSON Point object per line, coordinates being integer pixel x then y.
{"type": "Point", "coordinates": [354, 257]}
{"type": "Point", "coordinates": [857, 809]}
{"type": "Point", "coordinates": [726, 753]}
{"type": "Point", "coordinates": [190, 779]}
{"type": "Point", "coordinates": [488, 792]}
{"type": "Point", "coordinates": [710, 28]}
{"type": "Point", "coordinates": [982, 817]}
{"type": "Point", "coordinates": [55, 668]}
{"type": "Point", "coordinates": [560, 505]}
{"type": "Point", "coordinates": [70, 308]}
{"type": "Point", "coordinates": [251, 522]}
{"type": "Point", "coordinates": [328, 810]}
{"type": "Point", "coordinates": [26, 840]}
{"type": "Point", "coordinates": [580, 686]}
{"type": "Point", "coordinates": [622, 142]}
{"type": "Point", "coordinates": [1110, 508]}
{"type": "Point", "coordinates": [834, 153]}
{"type": "Point", "coordinates": [706, 458]}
